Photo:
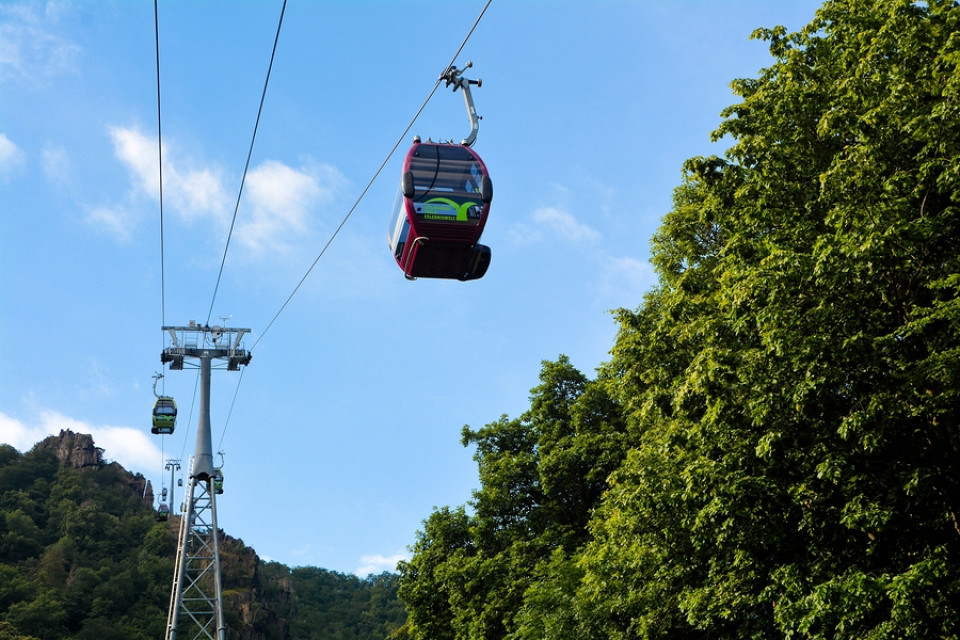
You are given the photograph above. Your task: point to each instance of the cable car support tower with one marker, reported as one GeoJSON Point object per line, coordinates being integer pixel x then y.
{"type": "Point", "coordinates": [196, 595]}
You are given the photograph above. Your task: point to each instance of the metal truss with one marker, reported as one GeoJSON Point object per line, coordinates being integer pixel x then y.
{"type": "Point", "coordinates": [197, 594]}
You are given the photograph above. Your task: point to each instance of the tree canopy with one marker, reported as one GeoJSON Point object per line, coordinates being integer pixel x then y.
{"type": "Point", "coordinates": [773, 448]}
{"type": "Point", "coordinates": [82, 556]}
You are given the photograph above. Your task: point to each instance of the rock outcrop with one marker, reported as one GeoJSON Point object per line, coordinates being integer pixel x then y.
{"type": "Point", "coordinates": [74, 450]}
{"type": "Point", "coordinates": [78, 451]}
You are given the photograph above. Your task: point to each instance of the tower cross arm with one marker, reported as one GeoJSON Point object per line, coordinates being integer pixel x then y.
{"type": "Point", "coordinates": [240, 334]}
{"type": "Point", "coordinates": [193, 341]}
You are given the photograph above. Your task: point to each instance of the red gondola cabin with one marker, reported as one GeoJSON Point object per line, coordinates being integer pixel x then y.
{"type": "Point", "coordinates": [442, 207]}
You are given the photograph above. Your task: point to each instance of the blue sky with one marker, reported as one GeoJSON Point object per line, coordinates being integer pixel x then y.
{"type": "Point", "coordinates": [344, 432]}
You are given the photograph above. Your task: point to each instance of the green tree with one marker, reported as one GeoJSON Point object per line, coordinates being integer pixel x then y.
{"type": "Point", "coordinates": [540, 476]}
{"type": "Point", "coordinates": [13, 587]}
{"type": "Point", "coordinates": [9, 632]}
{"type": "Point", "coordinates": [82, 556]}
{"type": "Point", "coordinates": [789, 389]}
{"type": "Point", "coordinates": [425, 584]}
{"type": "Point", "coordinates": [792, 382]}
{"type": "Point", "coordinates": [43, 616]}
{"type": "Point", "coordinates": [21, 537]}
{"type": "Point", "coordinates": [334, 606]}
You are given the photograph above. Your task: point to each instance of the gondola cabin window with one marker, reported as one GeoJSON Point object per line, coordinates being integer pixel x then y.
{"type": "Point", "coordinates": [447, 184]}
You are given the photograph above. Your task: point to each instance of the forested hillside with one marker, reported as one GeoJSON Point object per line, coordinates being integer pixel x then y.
{"type": "Point", "coordinates": [772, 450]}
{"type": "Point", "coordinates": [83, 556]}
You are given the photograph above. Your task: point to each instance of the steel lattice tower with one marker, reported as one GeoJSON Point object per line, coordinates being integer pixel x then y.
{"type": "Point", "coordinates": [196, 595]}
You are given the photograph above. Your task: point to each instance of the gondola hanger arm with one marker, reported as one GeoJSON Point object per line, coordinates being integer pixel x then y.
{"type": "Point", "coordinates": [454, 76]}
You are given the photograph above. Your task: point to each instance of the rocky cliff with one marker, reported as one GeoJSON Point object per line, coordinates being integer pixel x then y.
{"type": "Point", "coordinates": [78, 451]}
{"type": "Point", "coordinates": [74, 450]}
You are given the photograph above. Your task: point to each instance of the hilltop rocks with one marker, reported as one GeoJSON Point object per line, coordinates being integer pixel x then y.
{"type": "Point", "coordinates": [74, 450]}
{"type": "Point", "coordinates": [78, 451]}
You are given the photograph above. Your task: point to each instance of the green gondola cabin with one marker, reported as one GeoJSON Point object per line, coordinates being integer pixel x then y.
{"type": "Point", "coordinates": [164, 416]}
{"type": "Point", "coordinates": [218, 480]}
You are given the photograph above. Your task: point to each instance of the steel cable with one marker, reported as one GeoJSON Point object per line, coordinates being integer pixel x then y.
{"type": "Point", "coordinates": [373, 179]}
{"type": "Point", "coordinates": [246, 166]}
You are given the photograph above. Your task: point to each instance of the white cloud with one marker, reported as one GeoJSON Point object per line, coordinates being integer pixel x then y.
{"type": "Point", "coordinates": [114, 221]}
{"type": "Point", "coordinates": [563, 225]}
{"type": "Point", "coordinates": [192, 193]}
{"type": "Point", "coordinates": [130, 447]}
{"type": "Point", "coordinates": [17, 434]}
{"type": "Point", "coordinates": [275, 209]}
{"type": "Point", "coordinates": [139, 153]}
{"type": "Point", "coordinates": [10, 154]}
{"type": "Point", "coordinates": [30, 50]}
{"type": "Point", "coordinates": [625, 280]}
{"type": "Point", "coordinates": [553, 223]}
{"type": "Point", "coordinates": [57, 166]}
{"type": "Point", "coordinates": [279, 199]}
{"type": "Point", "coordinates": [197, 193]}
{"type": "Point", "coordinates": [379, 563]}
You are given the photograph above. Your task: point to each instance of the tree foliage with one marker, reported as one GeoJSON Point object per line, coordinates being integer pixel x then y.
{"type": "Point", "coordinates": [82, 556]}
{"type": "Point", "coordinates": [335, 606]}
{"type": "Point", "coordinates": [79, 556]}
{"type": "Point", "coordinates": [541, 475]}
{"type": "Point", "coordinates": [779, 417]}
